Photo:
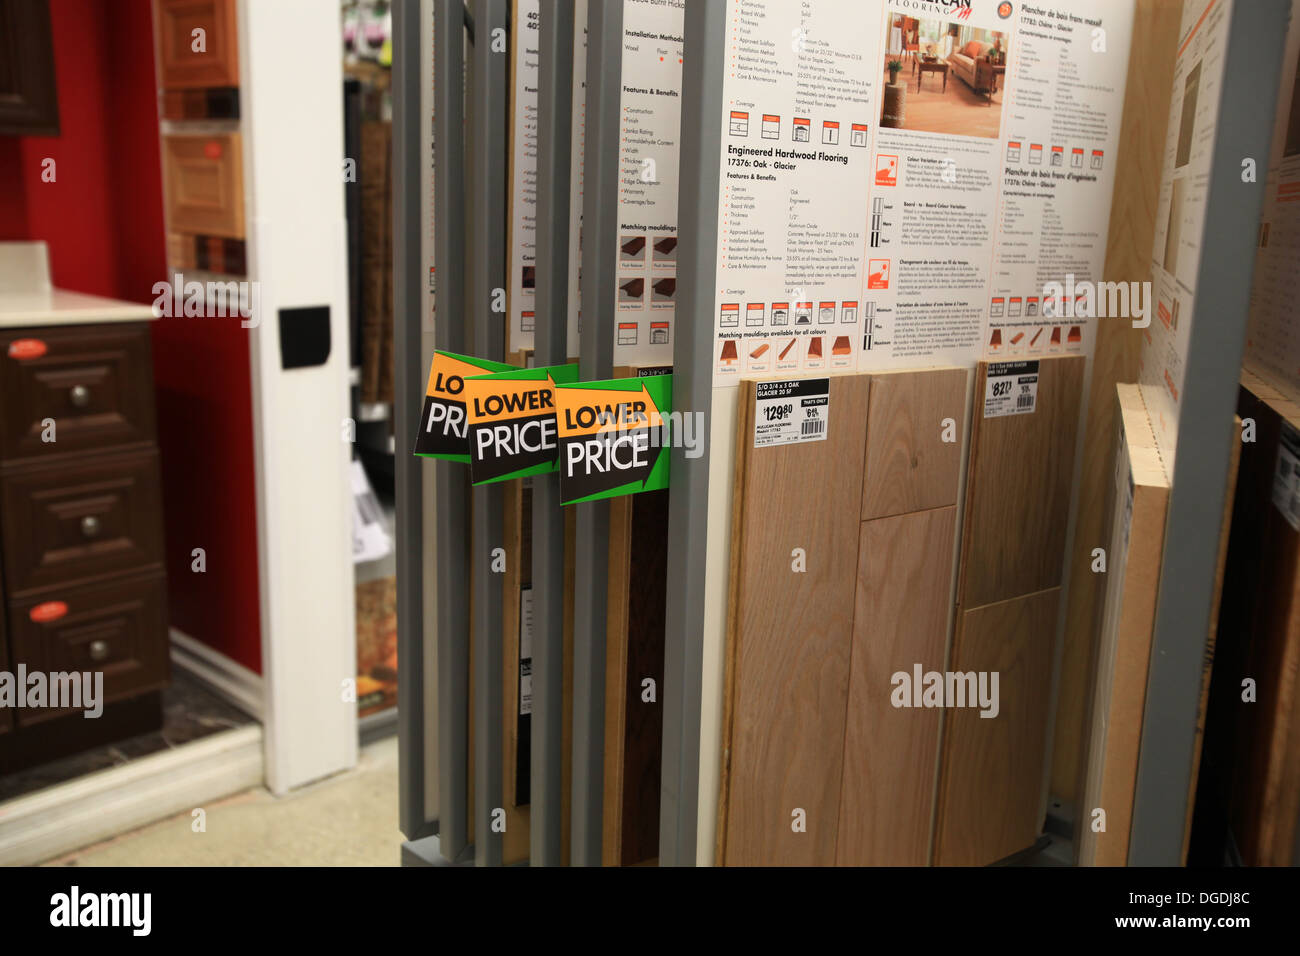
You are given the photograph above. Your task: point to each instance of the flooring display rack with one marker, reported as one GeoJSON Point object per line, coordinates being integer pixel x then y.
{"type": "Point", "coordinates": [452, 727]}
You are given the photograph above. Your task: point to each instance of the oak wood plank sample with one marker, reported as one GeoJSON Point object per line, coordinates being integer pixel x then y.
{"type": "Point", "coordinates": [1135, 549]}
{"type": "Point", "coordinates": [891, 753]}
{"type": "Point", "coordinates": [638, 578]}
{"type": "Point", "coordinates": [990, 792]}
{"type": "Point", "coordinates": [1018, 489]}
{"type": "Point", "coordinates": [909, 465]}
{"type": "Point", "coordinates": [1116, 351]}
{"type": "Point", "coordinates": [790, 634]}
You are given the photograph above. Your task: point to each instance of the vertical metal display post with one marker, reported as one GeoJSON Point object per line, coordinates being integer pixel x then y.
{"type": "Point", "coordinates": [486, 175]}
{"type": "Point", "coordinates": [554, 148]}
{"type": "Point", "coordinates": [1199, 486]}
{"type": "Point", "coordinates": [408, 153]}
{"type": "Point", "coordinates": [688, 515]}
{"type": "Point", "coordinates": [591, 544]}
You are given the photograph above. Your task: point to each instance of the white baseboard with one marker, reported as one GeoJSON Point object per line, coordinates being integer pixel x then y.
{"type": "Point", "coordinates": [100, 805]}
{"type": "Point", "coordinates": [227, 678]}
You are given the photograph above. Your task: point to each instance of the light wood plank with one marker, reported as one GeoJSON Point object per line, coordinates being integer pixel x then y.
{"type": "Point", "coordinates": [990, 793]}
{"type": "Point", "coordinates": [909, 465]}
{"type": "Point", "coordinates": [1135, 548]}
{"type": "Point", "coordinates": [788, 657]}
{"type": "Point", "coordinates": [891, 753]}
{"type": "Point", "coordinates": [1018, 489]}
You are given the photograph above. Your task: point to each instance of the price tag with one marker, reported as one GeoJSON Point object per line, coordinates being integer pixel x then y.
{"type": "Point", "coordinates": [1011, 388]}
{"type": "Point", "coordinates": [787, 413]}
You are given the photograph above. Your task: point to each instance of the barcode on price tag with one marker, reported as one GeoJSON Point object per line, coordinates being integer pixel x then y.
{"type": "Point", "coordinates": [1286, 476]}
{"type": "Point", "coordinates": [1011, 388]}
{"type": "Point", "coordinates": [786, 413]}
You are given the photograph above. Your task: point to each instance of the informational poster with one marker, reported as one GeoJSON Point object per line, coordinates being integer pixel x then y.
{"type": "Point", "coordinates": [1180, 217]}
{"type": "Point", "coordinates": [650, 124]}
{"type": "Point", "coordinates": [578, 147]}
{"type": "Point", "coordinates": [524, 46]}
{"type": "Point", "coordinates": [1273, 336]}
{"type": "Point", "coordinates": [907, 183]}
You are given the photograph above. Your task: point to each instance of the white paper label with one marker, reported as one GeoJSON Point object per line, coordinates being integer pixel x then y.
{"type": "Point", "coordinates": [525, 651]}
{"type": "Point", "coordinates": [787, 413]}
{"type": "Point", "coordinates": [1010, 389]}
{"type": "Point", "coordinates": [1286, 476]}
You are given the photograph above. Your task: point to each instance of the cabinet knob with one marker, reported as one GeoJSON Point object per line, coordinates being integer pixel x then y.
{"type": "Point", "coordinates": [90, 526]}
{"type": "Point", "coordinates": [80, 396]}
{"type": "Point", "coordinates": [98, 650]}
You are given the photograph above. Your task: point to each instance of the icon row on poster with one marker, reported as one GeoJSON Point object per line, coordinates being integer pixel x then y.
{"type": "Point", "coordinates": [1016, 153]}
{"type": "Point", "coordinates": [1016, 306]}
{"type": "Point", "coordinates": [1050, 338]}
{"type": "Point", "coordinates": [754, 315]}
{"type": "Point", "coordinates": [629, 333]}
{"type": "Point", "coordinates": [794, 352]}
{"type": "Point", "coordinates": [632, 250]}
{"type": "Point", "coordinates": [801, 129]}
{"type": "Point", "coordinates": [632, 291]}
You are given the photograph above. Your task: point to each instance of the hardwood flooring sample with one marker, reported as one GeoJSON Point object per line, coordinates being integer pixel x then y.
{"type": "Point", "coordinates": [891, 753]}
{"type": "Point", "coordinates": [909, 465]}
{"type": "Point", "coordinates": [1018, 489]}
{"type": "Point", "coordinates": [1138, 501]}
{"type": "Point", "coordinates": [638, 580]}
{"type": "Point", "coordinates": [990, 794]}
{"type": "Point", "coordinates": [789, 635]}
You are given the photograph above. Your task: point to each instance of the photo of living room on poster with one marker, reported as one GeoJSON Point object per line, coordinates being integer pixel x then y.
{"type": "Point", "coordinates": [943, 77]}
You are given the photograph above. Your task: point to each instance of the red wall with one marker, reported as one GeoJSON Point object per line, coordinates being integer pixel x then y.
{"type": "Point", "coordinates": [102, 218]}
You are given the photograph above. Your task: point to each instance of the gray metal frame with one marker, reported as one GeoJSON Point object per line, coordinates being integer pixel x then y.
{"type": "Point", "coordinates": [591, 542]}
{"type": "Point", "coordinates": [486, 176]}
{"type": "Point", "coordinates": [1205, 433]}
{"type": "Point", "coordinates": [409, 392]}
{"type": "Point", "coordinates": [554, 154]}
{"type": "Point", "coordinates": [452, 488]}
{"type": "Point", "coordinates": [688, 513]}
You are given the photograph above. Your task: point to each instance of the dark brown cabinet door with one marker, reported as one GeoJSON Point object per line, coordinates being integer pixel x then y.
{"type": "Point", "coordinates": [119, 628]}
{"type": "Point", "coordinates": [184, 62]}
{"type": "Point", "coordinates": [92, 382]}
{"type": "Point", "coordinates": [89, 520]}
{"type": "Point", "coordinates": [29, 101]}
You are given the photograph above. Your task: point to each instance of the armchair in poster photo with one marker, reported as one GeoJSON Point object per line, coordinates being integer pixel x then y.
{"type": "Point", "coordinates": [951, 76]}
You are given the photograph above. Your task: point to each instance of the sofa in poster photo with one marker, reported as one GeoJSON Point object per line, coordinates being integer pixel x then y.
{"type": "Point", "coordinates": [971, 63]}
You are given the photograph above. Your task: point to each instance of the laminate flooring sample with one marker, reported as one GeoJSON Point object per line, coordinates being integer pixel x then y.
{"type": "Point", "coordinates": [1018, 488]}
{"type": "Point", "coordinates": [909, 465]}
{"type": "Point", "coordinates": [789, 635]}
{"type": "Point", "coordinates": [900, 623]}
{"type": "Point", "coordinates": [1137, 504]}
{"type": "Point", "coordinates": [990, 793]}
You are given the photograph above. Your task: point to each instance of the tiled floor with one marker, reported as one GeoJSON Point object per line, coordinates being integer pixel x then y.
{"type": "Point", "coordinates": [189, 713]}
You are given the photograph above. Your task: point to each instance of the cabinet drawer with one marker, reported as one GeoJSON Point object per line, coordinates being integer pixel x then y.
{"type": "Point", "coordinates": [180, 66]}
{"type": "Point", "coordinates": [94, 381]}
{"type": "Point", "coordinates": [118, 628]}
{"type": "Point", "coordinates": [204, 184]}
{"type": "Point", "coordinates": [86, 520]}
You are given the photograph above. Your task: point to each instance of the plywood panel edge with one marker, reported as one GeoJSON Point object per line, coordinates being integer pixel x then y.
{"type": "Point", "coordinates": [744, 429]}
{"type": "Point", "coordinates": [1131, 232]}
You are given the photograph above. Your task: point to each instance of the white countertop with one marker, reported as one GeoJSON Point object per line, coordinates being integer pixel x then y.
{"type": "Point", "coordinates": [57, 307]}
